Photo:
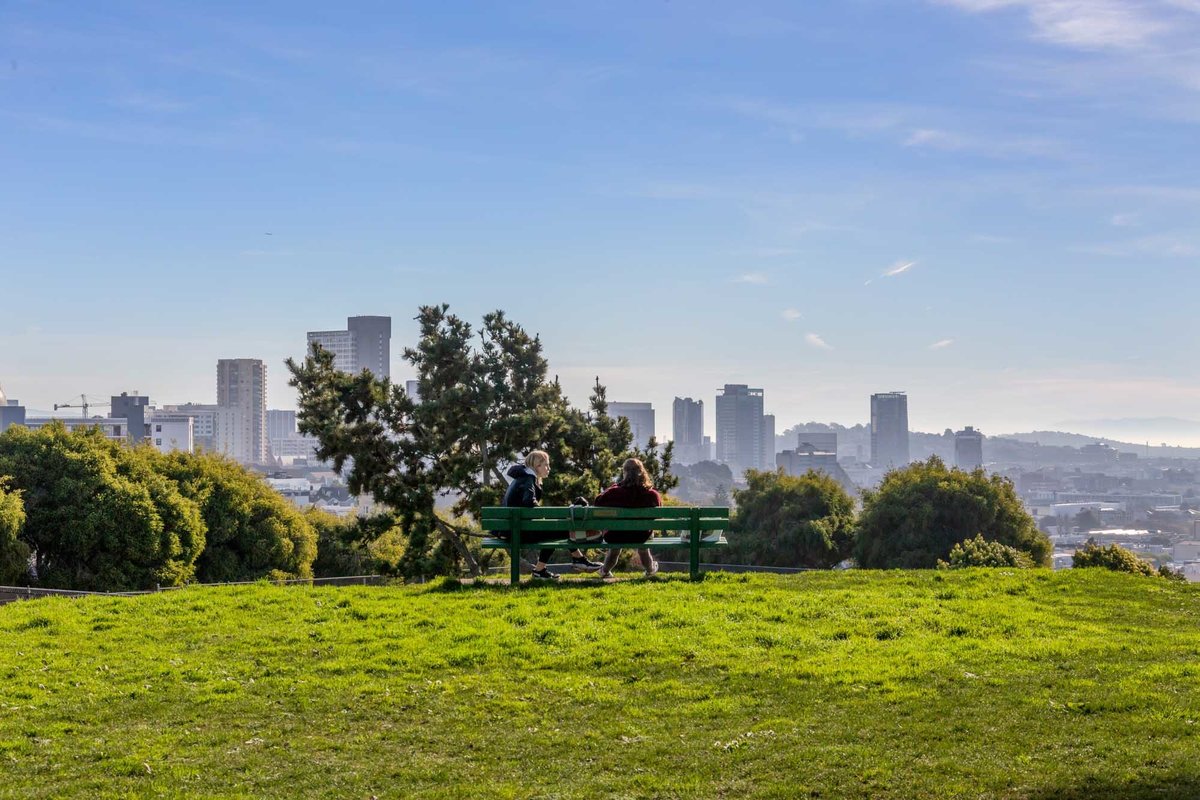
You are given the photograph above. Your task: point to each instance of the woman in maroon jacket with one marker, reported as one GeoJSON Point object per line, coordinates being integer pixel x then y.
{"type": "Point", "coordinates": [633, 490]}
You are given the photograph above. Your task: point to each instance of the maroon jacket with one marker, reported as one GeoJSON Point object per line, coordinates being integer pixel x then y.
{"type": "Point", "coordinates": [628, 497]}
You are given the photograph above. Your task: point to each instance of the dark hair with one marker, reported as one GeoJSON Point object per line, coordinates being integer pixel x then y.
{"type": "Point", "coordinates": [634, 475]}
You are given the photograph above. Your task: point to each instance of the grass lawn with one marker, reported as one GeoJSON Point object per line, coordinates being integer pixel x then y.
{"type": "Point", "coordinates": [1082, 684]}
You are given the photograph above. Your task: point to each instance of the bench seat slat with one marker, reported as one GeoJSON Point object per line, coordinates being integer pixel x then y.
{"type": "Point", "coordinates": [604, 512]}
{"type": "Point", "coordinates": [607, 524]}
{"type": "Point", "coordinates": [655, 543]}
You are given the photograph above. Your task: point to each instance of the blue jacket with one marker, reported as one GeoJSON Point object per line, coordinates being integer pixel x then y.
{"type": "Point", "coordinates": [524, 490]}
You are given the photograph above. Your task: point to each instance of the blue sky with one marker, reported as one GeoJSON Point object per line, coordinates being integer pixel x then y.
{"type": "Point", "coordinates": [676, 195]}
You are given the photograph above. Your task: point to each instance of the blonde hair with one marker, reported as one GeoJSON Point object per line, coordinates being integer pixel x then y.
{"type": "Point", "coordinates": [634, 475]}
{"type": "Point", "coordinates": [535, 457]}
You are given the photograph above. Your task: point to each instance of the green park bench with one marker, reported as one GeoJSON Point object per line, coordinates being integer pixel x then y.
{"type": "Point", "coordinates": [699, 528]}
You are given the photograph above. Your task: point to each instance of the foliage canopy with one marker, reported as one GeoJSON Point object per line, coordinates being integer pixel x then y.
{"type": "Point", "coordinates": [979, 552]}
{"type": "Point", "coordinates": [921, 511]}
{"type": "Point", "coordinates": [252, 531]}
{"type": "Point", "coordinates": [792, 521]}
{"type": "Point", "coordinates": [14, 554]}
{"type": "Point", "coordinates": [98, 514]}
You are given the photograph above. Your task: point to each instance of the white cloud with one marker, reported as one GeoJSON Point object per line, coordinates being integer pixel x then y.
{"type": "Point", "coordinates": [1159, 246]}
{"type": "Point", "coordinates": [1123, 220]}
{"type": "Point", "coordinates": [1081, 24]}
{"type": "Point", "coordinates": [751, 277]}
{"type": "Point", "coordinates": [816, 341]}
{"type": "Point", "coordinates": [898, 268]}
{"type": "Point", "coordinates": [941, 344]}
{"type": "Point", "coordinates": [792, 314]}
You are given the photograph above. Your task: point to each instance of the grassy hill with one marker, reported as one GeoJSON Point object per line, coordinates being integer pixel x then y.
{"type": "Point", "coordinates": [903, 684]}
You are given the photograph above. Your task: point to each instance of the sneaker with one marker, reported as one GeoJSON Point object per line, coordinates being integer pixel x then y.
{"type": "Point", "coordinates": [583, 564]}
{"type": "Point", "coordinates": [652, 570]}
{"type": "Point", "coordinates": [606, 576]}
{"type": "Point", "coordinates": [544, 574]}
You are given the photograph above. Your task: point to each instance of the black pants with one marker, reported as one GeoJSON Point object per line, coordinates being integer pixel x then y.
{"type": "Point", "coordinates": [533, 537]}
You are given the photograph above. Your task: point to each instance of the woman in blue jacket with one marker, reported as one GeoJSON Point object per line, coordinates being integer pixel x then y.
{"type": "Point", "coordinates": [525, 491]}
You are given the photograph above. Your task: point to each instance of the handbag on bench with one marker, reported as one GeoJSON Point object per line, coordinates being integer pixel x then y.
{"type": "Point", "coordinates": [581, 537]}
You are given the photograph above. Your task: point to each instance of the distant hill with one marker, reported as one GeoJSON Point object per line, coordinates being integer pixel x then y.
{"type": "Point", "coordinates": [856, 440]}
{"type": "Point", "coordinates": [1066, 439]}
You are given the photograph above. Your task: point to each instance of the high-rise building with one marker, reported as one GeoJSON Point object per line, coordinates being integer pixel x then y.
{"type": "Point", "coordinates": [968, 449]}
{"type": "Point", "coordinates": [365, 344]}
{"type": "Point", "coordinates": [242, 410]}
{"type": "Point", "coordinates": [816, 442]}
{"type": "Point", "coordinates": [341, 344]}
{"type": "Point", "coordinates": [413, 390]}
{"type": "Point", "coordinates": [687, 430]}
{"type": "Point", "coordinates": [372, 344]}
{"type": "Point", "coordinates": [281, 423]}
{"type": "Point", "coordinates": [768, 451]}
{"type": "Point", "coordinates": [641, 420]}
{"type": "Point", "coordinates": [889, 430]}
{"type": "Point", "coordinates": [740, 428]}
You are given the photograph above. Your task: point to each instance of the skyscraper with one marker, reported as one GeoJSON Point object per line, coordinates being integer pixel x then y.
{"type": "Point", "coordinates": [641, 419]}
{"type": "Point", "coordinates": [281, 423]}
{"type": "Point", "coordinates": [740, 428]}
{"type": "Point", "coordinates": [768, 451]}
{"type": "Point", "coordinates": [889, 430]}
{"type": "Point", "coordinates": [968, 449]}
{"type": "Point", "coordinates": [687, 430]}
{"type": "Point", "coordinates": [372, 344]}
{"type": "Point", "coordinates": [242, 409]}
{"type": "Point", "coordinates": [365, 344]}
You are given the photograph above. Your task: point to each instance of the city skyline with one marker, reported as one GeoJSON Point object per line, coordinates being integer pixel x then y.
{"type": "Point", "coordinates": [985, 204]}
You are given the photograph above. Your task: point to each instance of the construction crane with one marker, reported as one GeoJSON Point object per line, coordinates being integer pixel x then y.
{"type": "Point", "coordinates": [83, 404]}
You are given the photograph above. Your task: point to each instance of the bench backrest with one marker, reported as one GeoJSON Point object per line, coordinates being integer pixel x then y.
{"type": "Point", "coordinates": [600, 518]}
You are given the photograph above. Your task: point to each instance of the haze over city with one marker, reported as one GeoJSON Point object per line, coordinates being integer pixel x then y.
{"type": "Point", "coordinates": [989, 205]}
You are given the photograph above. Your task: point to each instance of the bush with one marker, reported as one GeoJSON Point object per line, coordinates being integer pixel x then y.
{"type": "Point", "coordinates": [356, 545]}
{"type": "Point", "coordinates": [14, 554]}
{"type": "Point", "coordinates": [979, 552]}
{"type": "Point", "coordinates": [1112, 557]}
{"type": "Point", "coordinates": [253, 532]}
{"type": "Point", "coordinates": [98, 516]}
{"type": "Point", "coordinates": [792, 521]}
{"type": "Point", "coordinates": [921, 511]}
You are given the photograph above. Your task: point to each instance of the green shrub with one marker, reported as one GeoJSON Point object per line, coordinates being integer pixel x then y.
{"type": "Point", "coordinates": [1112, 557]}
{"type": "Point", "coordinates": [979, 552]}
{"type": "Point", "coordinates": [792, 521]}
{"type": "Point", "coordinates": [14, 554]}
{"type": "Point", "coordinates": [921, 511]}
{"type": "Point", "coordinates": [253, 531]}
{"type": "Point", "coordinates": [98, 514]}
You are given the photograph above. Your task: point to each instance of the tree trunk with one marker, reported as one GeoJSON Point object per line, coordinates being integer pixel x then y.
{"type": "Point", "coordinates": [449, 533]}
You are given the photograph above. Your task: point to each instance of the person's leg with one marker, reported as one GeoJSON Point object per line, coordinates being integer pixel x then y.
{"type": "Point", "coordinates": [648, 562]}
{"type": "Point", "coordinates": [610, 562]}
{"type": "Point", "coordinates": [544, 556]}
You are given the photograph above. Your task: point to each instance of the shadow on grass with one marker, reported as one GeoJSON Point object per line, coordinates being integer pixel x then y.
{"type": "Point", "coordinates": [1177, 786]}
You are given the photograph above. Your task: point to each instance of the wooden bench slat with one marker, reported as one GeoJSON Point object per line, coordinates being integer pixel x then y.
{"type": "Point", "coordinates": [654, 543]}
{"type": "Point", "coordinates": [647, 524]}
{"type": "Point", "coordinates": [603, 512]}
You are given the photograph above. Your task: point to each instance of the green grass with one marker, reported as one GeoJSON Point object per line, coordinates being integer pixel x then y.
{"type": "Point", "coordinates": [898, 685]}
